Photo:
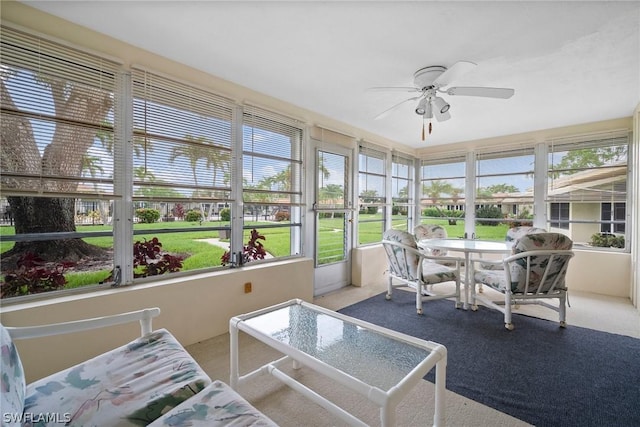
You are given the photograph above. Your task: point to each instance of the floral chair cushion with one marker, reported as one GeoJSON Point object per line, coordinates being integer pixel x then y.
{"type": "Point", "coordinates": [433, 272]}
{"type": "Point", "coordinates": [431, 231]}
{"type": "Point", "coordinates": [131, 385]}
{"type": "Point", "coordinates": [515, 233]}
{"type": "Point", "coordinates": [518, 268]}
{"type": "Point", "coordinates": [12, 380]}
{"type": "Point", "coordinates": [400, 269]}
{"type": "Point", "coordinates": [217, 405]}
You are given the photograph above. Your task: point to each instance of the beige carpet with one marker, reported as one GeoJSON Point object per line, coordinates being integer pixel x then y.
{"type": "Point", "coordinates": [288, 408]}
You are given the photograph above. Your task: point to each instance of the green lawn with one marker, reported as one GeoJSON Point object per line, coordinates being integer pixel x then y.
{"type": "Point", "coordinates": [198, 254]}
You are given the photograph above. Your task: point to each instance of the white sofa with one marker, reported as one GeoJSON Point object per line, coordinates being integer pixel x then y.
{"type": "Point", "coordinates": [151, 380]}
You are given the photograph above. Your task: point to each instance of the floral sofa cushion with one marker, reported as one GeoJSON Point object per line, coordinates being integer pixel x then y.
{"type": "Point", "coordinates": [217, 405]}
{"type": "Point", "coordinates": [131, 385]}
{"type": "Point", "coordinates": [12, 381]}
{"type": "Point", "coordinates": [400, 269]}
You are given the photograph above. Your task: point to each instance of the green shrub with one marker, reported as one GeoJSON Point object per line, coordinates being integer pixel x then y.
{"type": "Point", "coordinates": [435, 212]}
{"type": "Point", "coordinates": [225, 214]}
{"type": "Point", "coordinates": [489, 212]}
{"type": "Point", "coordinates": [607, 240]}
{"type": "Point", "coordinates": [194, 215]}
{"type": "Point", "coordinates": [147, 215]}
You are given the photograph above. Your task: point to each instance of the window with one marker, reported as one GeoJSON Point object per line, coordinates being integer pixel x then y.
{"type": "Point", "coordinates": [59, 155]}
{"type": "Point", "coordinates": [182, 144]}
{"type": "Point", "coordinates": [443, 194]}
{"type": "Point", "coordinates": [613, 216]}
{"type": "Point", "coordinates": [590, 174]}
{"type": "Point", "coordinates": [504, 192]}
{"type": "Point", "coordinates": [559, 215]}
{"type": "Point", "coordinates": [402, 191]}
{"type": "Point", "coordinates": [371, 196]}
{"type": "Point", "coordinates": [100, 168]}
{"type": "Point", "coordinates": [272, 180]}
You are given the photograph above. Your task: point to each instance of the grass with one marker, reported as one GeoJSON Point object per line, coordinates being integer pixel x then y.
{"type": "Point", "coordinates": [199, 254]}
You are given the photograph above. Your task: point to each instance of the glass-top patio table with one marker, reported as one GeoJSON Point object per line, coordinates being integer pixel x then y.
{"type": "Point", "coordinates": [380, 364]}
{"type": "Point", "coordinates": [467, 246]}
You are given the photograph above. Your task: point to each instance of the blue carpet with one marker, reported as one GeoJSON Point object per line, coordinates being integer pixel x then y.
{"type": "Point", "coordinates": [539, 373]}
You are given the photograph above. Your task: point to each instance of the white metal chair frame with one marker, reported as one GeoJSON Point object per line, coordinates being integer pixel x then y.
{"type": "Point", "coordinates": [144, 316]}
{"type": "Point", "coordinates": [424, 291]}
{"type": "Point", "coordinates": [529, 295]}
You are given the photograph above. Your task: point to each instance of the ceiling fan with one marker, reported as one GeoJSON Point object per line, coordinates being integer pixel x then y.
{"type": "Point", "coordinates": [431, 81]}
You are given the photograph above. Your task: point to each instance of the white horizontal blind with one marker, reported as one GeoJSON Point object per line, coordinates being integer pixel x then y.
{"type": "Point", "coordinates": [443, 181]}
{"type": "Point", "coordinates": [372, 177]}
{"type": "Point", "coordinates": [58, 120]}
{"type": "Point", "coordinates": [402, 180]}
{"type": "Point", "coordinates": [505, 177]}
{"type": "Point", "coordinates": [182, 139]}
{"type": "Point", "coordinates": [593, 169]}
{"type": "Point", "coordinates": [272, 158]}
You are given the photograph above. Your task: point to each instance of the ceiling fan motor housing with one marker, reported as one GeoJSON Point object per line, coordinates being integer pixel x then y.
{"type": "Point", "coordinates": [424, 77]}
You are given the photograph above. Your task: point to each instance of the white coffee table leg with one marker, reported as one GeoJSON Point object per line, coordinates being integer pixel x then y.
{"type": "Point", "coordinates": [233, 352]}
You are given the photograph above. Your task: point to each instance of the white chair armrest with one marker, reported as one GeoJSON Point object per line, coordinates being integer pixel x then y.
{"type": "Point", "coordinates": [144, 316]}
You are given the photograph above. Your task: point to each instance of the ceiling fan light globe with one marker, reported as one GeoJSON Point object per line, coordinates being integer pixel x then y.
{"type": "Point", "coordinates": [441, 105]}
{"type": "Point", "coordinates": [421, 108]}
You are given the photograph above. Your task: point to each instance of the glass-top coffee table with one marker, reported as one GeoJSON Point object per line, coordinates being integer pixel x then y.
{"type": "Point", "coordinates": [380, 364]}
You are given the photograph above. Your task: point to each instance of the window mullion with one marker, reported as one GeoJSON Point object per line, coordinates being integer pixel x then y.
{"type": "Point", "coordinates": [123, 183]}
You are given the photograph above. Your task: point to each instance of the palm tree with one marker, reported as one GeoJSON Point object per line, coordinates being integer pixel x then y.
{"type": "Point", "coordinates": [193, 152]}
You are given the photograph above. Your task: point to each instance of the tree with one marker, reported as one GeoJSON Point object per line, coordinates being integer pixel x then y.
{"type": "Point", "coordinates": [576, 160]}
{"type": "Point", "coordinates": [74, 105]}
{"type": "Point", "coordinates": [368, 197]}
{"type": "Point", "coordinates": [331, 192]}
{"type": "Point", "coordinates": [490, 191]}
{"type": "Point", "coordinates": [436, 189]}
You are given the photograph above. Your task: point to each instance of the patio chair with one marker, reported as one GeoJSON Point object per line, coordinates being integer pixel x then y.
{"type": "Point", "coordinates": [534, 273]}
{"type": "Point", "coordinates": [413, 268]}
{"type": "Point", "coordinates": [432, 231]}
{"type": "Point", "coordinates": [513, 234]}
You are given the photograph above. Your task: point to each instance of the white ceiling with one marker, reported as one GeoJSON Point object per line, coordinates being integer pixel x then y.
{"type": "Point", "coordinates": [569, 62]}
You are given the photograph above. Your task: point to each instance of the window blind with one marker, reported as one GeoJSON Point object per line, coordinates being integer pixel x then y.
{"type": "Point", "coordinates": [182, 139]}
{"type": "Point", "coordinates": [591, 169]}
{"type": "Point", "coordinates": [272, 158]}
{"type": "Point", "coordinates": [372, 177]}
{"type": "Point", "coordinates": [58, 121]}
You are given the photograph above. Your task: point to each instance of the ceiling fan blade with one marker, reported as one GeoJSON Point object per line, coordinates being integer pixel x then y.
{"type": "Point", "coordinates": [441, 117]}
{"type": "Point", "coordinates": [452, 73]}
{"type": "Point", "coordinates": [393, 89]}
{"type": "Point", "coordinates": [388, 110]}
{"type": "Point", "coordinates": [487, 92]}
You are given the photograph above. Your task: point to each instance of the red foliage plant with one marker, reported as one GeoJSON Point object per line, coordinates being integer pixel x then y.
{"type": "Point", "coordinates": [147, 256]}
{"type": "Point", "coordinates": [33, 275]}
{"type": "Point", "coordinates": [252, 251]}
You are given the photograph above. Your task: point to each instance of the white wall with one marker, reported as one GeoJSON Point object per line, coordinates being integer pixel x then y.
{"type": "Point", "coordinates": [193, 308]}
{"type": "Point", "coordinates": [599, 272]}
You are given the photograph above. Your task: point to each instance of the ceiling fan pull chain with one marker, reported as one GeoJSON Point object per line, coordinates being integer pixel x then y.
{"type": "Point", "coordinates": [423, 129]}
{"type": "Point", "coordinates": [429, 127]}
